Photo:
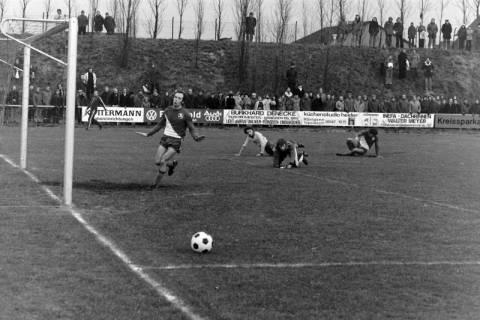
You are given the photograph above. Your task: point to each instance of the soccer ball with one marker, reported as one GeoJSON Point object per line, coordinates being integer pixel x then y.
{"type": "Point", "coordinates": [201, 242]}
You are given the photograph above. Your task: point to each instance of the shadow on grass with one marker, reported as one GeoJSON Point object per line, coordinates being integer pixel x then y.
{"type": "Point", "coordinates": [102, 185]}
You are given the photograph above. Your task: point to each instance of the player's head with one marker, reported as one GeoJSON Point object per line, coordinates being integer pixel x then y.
{"type": "Point", "coordinates": [282, 144]}
{"type": "Point", "coordinates": [373, 131]}
{"type": "Point", "coordinates": [178, 99]}
{"type": "Point", "coordinates": [249, 131]}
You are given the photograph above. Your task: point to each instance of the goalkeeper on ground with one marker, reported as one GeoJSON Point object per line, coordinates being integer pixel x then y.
{"type": "Point", "coordinates": [259, 139]}
{"type": "Point", "coordinates": [286, 148]}
{"type": "Point", "coordinates": [363, 142]}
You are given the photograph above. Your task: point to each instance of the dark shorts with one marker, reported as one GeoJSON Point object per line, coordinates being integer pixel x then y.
{"type": "Point", "coordinates": [269, 148]}
{"type": "Point", "coordinates": [170, 142]}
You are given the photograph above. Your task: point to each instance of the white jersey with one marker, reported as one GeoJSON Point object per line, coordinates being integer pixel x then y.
{"type": "Point", "coordinates": [258, 139]}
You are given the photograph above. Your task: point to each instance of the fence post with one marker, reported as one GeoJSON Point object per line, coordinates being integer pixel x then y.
{"type": "Point", "coordinates": [296, 26]}
{"type": "Point", "coordinates": [173, 25]}
{"type": "Point", "coordinates": [215, 37]}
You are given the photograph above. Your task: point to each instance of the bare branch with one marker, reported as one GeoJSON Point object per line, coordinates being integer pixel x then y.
{"type": "Point", "coordinates": [464, 7]}
{"type": "Point", "coordinates": [181, 7]}
{"type": "Point", "coordinates": [424, 6]}
{"type": "Point", "coordinates": [322, 12]}
{"type": "Point", "coordinates": [282, 13]}
{"type": "Point", "coordinates": [381, 10]}
{"type": "Point", "coordinates": [219, 8]}
{"type": "Point", "coordinates": [155, 20]}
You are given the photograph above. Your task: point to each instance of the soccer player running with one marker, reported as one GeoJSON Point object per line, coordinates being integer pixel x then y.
{"type": "Point", "coordinates": [95, 102]}
{"type": "Point", "coordinates": [363, 142]}
{"type": "Point", "coordinates": [175, 119]}
{"type": "Point", "coordinates": [258, 139]}
{"type": "Point", "coordinates": [286, 148]}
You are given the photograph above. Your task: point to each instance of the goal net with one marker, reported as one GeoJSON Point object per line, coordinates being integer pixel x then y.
{"type": "Point", "coordinates": [31, 45]}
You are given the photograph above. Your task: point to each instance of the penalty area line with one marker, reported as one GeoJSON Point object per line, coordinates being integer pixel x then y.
{"type": "Point", "coordinates": [346, 264]}
{"type": "Point", "coordinates": [137, 270]}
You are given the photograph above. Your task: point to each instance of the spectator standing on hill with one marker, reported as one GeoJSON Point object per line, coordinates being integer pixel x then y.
{"type": "Point", "coordinates": [373, 104]}
{"type": "Point", "coordinates": [59, 15]}
{"type": "Point", "coordinates": [89, 79]}
{"type": "Point", "coordinates": [389, 73]}
{"type": "Point", "coordinates": [349, 101]}
{"type": "Point", "coordinates": [422, 35]}
{"type": "Point", "coordinates": [428, 74]}
{"type": "Point", "coordinates": [398, 30]}
{"type": "Point", "coordinates": [447, 34]}
{"type": "Point", "coordinates": [462, 37]}
{"type": "Point", "coordinates": [414, 63]}
{"type": "Point", "coordinates": [109, 23]}
{"type": "Point", "coordinates": [373, 29]}
{"type": "Point", "coordinates": [412, 33]}
{"type": "Point", "coordinates": [292, 75]}
{"type": "Point", "coordinates": [403, 104]}
{"type": "Point", "coordinates": [359, 105]}
{"type": "Point", "coordinates": [432, 30]}
{"type": "Point", "coordinates": [250, 23]}
{"type": "Point", "coordinates": [357, 31]}
{"type": "Point", "coordinates": [340, 104]}
{"type": "Point", "coordinates": [402, 64]}
{"type": "Point", "coordinates": [82, 23]}
{"type": "Point", "coordinates": [98, 22]}
{"type": "Point", "coordinates": [469, 38]}
{"type": "Point", "coordinates": [106, 94]}
{"type": "Point", "coordinates": [388, 26]}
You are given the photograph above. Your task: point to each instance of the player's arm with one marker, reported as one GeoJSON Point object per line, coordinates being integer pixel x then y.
{"type": "Point", "coordinates": [242, 147]}
{"type": "Point", "coordinates": [193, 131]}
{"type": "Point", "coordinates": [103, 103]}
{"type": "Point", "coordinates": [295, 154]}
{"type": "Point", "coordinates": [263, 144]}
{"type": "Point", "coordinates": [377, 148]}
{"type": "Point", "coordinates": [161, 123]}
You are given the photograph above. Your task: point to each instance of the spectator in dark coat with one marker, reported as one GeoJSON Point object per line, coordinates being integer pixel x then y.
{"type": "Point", "coordinates": [114, 98]}
{"type": "Point", "coordinates": [317, 103]}
{"type": "Point", "coordinates": [98, 22]}
{"type": "Point", "coordinates": [402, 64]}
{"type": "Point", "coordinates": [398, 30]}
{"type": "Point", "coordinates": [13, 97]}
{"type": "Point", "coordinates": [82, 23]}
{"type": "Point", "coordinates": [189, 99]}
{"type": "Point", "coordinates": [251, 23]}
{"type": "Point", "coordinates": [80, 101]}
{"type": "Point", "coordinates": [230, 101]}
{"type": "Point", "coordinates": [462, 37]}
{"type": "Point", "coordinates": [389, 32]}
{"type": "Point", "coordinates": [109, 23]}
{"type": "Point", "coordinates": [292, 75]}
{"type": "Point", "coordinates": [106, 94]}
{"type": "Point", "coordinates": [428, 73]}
{"type": "Point", "coordinates": [432, 30]}
{"type": "Point", "coordinates": [124, 98]}
{"type": "Point", "coordinates": [447, 34]}
{"type": "Point", "coordinates": [373, 29]}
{"type": "Point", "coordinates": [412, 33]}
{"type": "Point", "coordinates": [155, 99]}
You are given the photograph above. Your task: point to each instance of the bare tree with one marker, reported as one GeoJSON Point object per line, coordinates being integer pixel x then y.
{"type": "Point", "coordinates": [181, 7]}
{"type": "Point", "coordinates": [321, 10]}
{"type": "Point", "coordinates": [240, 12]}
{"type": "Point", "coordinates": [258, 8]}
{"type": "Point", "coordinates": [305, 18]}
{"type": "Point", "coordinates": [128, 10]}
{"type": "Point", "coordinates": [219, 8]}
{"type": "Point", "coordinates": [282, 13]}
{"type": "Point", "coordinates": [199, 9]}
{"type": "Point", "coordinates": [47, 6]}
{"type": "Point", "coordinates": [476, 5]}
{"type": "Point", "coordinates": [464, 7]}
{"type": "Point", "coordinates": [403, 7]}
{"type": "Point", "coordinates": [363, 9]}
{"type": "Point", "coordinates": [3, 7]}
{"type": "Point", "coordinates": [342, 6]}
{"type": "Point", "coordinates": [425, 6]}
{"type": "Point", "coordinates": [24, 5]}
{"type": "Point", "coordinates": [381, 10]}
{"type": "Point", "coordinates": [155, 21]}
{"type": "Point", "coordinates": [69, 4]}
{"type": "Point", "coordinates": [442, 5]}
{"type": "Point", "coordinates": [114, 9]}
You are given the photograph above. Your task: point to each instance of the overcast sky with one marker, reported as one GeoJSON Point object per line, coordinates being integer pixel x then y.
{"type": "Point", "coordinates": [452, 12]}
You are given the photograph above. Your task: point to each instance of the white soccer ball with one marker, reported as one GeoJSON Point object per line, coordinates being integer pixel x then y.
{"type": "Point", "coordinates": [201, 242]}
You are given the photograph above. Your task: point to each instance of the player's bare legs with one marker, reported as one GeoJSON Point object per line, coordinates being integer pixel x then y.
{"type": "Point", "coordinates": [163, 159]}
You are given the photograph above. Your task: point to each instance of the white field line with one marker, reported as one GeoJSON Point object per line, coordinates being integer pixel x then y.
{"type": "Point", "coordinates": [378, 190]}
{"type": "Point", "coordinates": [346, 264]}
{"type": "Point", "coordinates": [159, 287]}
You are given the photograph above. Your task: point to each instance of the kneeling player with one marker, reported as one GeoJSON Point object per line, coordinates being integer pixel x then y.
{"type": "Point", "coordinates": [285, 148]}
{"type": "Point", "coordinates": [258, 139]}
{"type": "Point", "coordinates": [363, 142]}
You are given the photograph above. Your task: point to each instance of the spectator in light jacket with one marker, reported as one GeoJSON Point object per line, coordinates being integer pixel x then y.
{"type": "Point", "coordinates": [432, 30]}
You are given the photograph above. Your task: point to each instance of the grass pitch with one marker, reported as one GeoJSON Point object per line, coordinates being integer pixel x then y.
{"type": "Point", "coordinates": [342, 238]}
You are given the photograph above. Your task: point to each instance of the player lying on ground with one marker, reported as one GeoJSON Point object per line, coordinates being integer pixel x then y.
{"type": "Point", "coordinates": [176, 119]}
{"type": "Point", "coordinates": [259, 139]}
{"type": "Point", "coordinates": [286, 148]}
{"type": "Point", "coordinates": [363, 142]}
{"type": "Point", "coordinates": [92, 108]}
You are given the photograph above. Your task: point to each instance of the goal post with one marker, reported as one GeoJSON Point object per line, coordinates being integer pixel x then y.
{"type": "Point", "coordinates": [71, 66]}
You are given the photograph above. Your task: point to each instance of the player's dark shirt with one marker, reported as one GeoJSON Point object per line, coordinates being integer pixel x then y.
{"type": "Point", "coordinates": [369, 138]}
{"type": "Point", "coordinates": [176, 122]}
{"type": "Point", "coordinates": [280, 155]}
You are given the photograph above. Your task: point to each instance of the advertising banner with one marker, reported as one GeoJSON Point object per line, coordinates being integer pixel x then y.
{"type": "Point", "coordinates": [262, 117]}
{"type": "Point", "coordinates": [457, 121]}
{"type": "Point", "coordinates": [359, 119]}
{"type": "Point", "coordinates": [198, 115]}
{"type": "Point", "coordinates": [406, 120]}
{"type": "Point", "coordinates": [325, 119]}
{"type": "Point", "coordinates": [117, 114]}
